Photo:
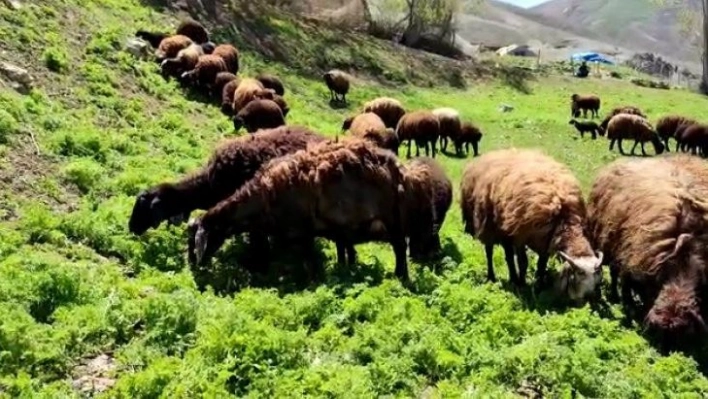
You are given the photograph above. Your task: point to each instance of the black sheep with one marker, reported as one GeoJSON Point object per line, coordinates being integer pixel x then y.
{"type": "Point", "coordinates": [586, 126]}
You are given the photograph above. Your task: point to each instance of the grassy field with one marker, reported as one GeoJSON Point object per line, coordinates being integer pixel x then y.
{"type": "Point", "coordinates": [74, 284]}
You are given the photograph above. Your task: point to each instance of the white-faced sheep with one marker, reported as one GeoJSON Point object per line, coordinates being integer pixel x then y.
{"type": "Point", "coordinates": [388, 109]}
{"type": "Point", "coordinates": [649, 217]}
{"type": "Point", "coordinates": [204, 73]}
{"type": "Point", "coordinates": [667, 126]}
{"type": "Point", "coordinates": [338, 83]}
{"type": "Point", "coordinates": [248, 90]}
{"type": "Point", "coordinates": [584, 103]}
{"type": "Point", "coordinates": [259, 114]}
{"type": "Point", "coordinates": [450, 125]}
{"type": "Point", "coordinates": [586, 126]}
{"type": "Point", "coordinates": [369, 126]}
{"type": "Point", "coordinates": [343, 191]}
{"type": "Point", "coordinates": [230, 56]}
{"type": "Point", "coordinates": [422, 127]}
{"type": "Point", "coordinates": [632, 127]}
{"type": "Point", "coordinates": [522, 198]}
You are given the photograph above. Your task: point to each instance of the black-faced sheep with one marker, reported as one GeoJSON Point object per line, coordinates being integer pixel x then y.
{"type": "Point", "coordinates": [227, 96]}
{"type": "Point", "coordinates": [185, 60]}
{"type": "Point", "coordinates": [388, 109]}
{"type": "Point", "coordinates": [584, 103]}
{"type": "Point", "coordinates": [230, 56]}
{"type": "Point", "coordinates": [233, 162]}
{"type": "Point", "coordinates": [248, 90]}
{"type": "Point", "coordinates": [154, 38]}
{"type": "Point", "coordinates": [668, 125]}
{"type": "Point", "coordinates": [204, 73]}
{"type": "Point", "coordinates": [345, 191]}
{"type": "Point", "coordinates": [193, 30]}
{"type": "Point", "coordinates": [633, 127]}
{"type": "Point", "coordinates": [522, 198]}
{"type": "Point", "coordinates": [259, 114]}
{"type": "Point", "coordinates": [469, 134]}
{"type": "Point", "coordinates": [586, 126]}
{"type": "Point", "coordinates": [222, 78]}
{"type": "Point", "coordinates": [649, 217]}
{"type": "Point", "coordinates": [625, 109]}
{"type": "Point", "coordinates": [338, 84]}
{"type": "Point", "coordinates": [692, 137]}
{"type": "Point", "coordinates": [271, 82]}
{"type": "Point", "coordinates": [450, 125]}
{"type": "Point", "coordinates": [170, 46]}
{"type": "Point", "coordinates": [422, 127]}
{"type": "Point", "coordinates": [369, 126]}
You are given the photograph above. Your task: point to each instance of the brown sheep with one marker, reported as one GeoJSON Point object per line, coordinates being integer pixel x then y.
{"type": "Point", "coordinates": [154, 38]}
{"type": "Point", "coordinates": [185, 60]}
{"type": "Point", "coordinates": [450, 125]}
{"type": "Point", "coordinates": [369, 126]}
{"type": "Point", "coordinates": [230, 56]}
{"type": "Point", "coordinates": [522, 198]}
{"type": "Point", "coordinates": [693, 138]}
{"type": "Point", "coordinates": [649, 217]}
{"type": "Point", "coordinates": [204, 73]}
{"type": "Point", "coordinates": [345, 191]}
{"type": "Point", "coordinates": [227, 96]}
{"type": "Point", "coordinates": [422, 127]}
{"type": "Point", "coordinates": [193, 30]}
{"type": "Point", "coordinates": [259, 114]}
{"type": "Point", "coordinates": [627, 126]}
{"type": "Point", "coordinates": [585, 103]}
{"type": "Point", "coordinates": [469, 134]}
{"type": "Point", "coordinates": [170, 46]}
{"type": "Point", "coordinates": [388, 109]}
{"type": "Point", "coordinates": [338, 84]}
{"type": "Point", "coordinates": [586, 126]}
{"type": "Point", "coordinates": [668, 125]}
{"type": "Point", "coordinates": [248, 90]}
{"type": "Point", "coordinates": [271, 82]}
{"type": "Point", "coordinates": [282, 104]}
{"type": "Point", "coordinates": [625, 109]}
{"type": "Point", "coordinates": [222, 78]}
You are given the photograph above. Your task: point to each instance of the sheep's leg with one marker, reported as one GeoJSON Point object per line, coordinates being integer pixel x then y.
{"type": "Point", "coordinates": [509, 255]}
{"type": "Point", "coordinates": [489, 250]}
{"type": "Point", "coordinates": [678, 146]}
{"type": "Point", "coordinates": [612, 144]}
{"type": "Point", "coordinates": [341, 254]}
{"type": "Point", "coordinates": [434, 146]}
{"type": "Point", "coordinates": [398, 241]}
{"type": "Point", "coordinates": [614, 277]}
{"type": "Point", "coordinates": [443, 143]}
{"type": "Point", "coordinates": [634, 147]}
{"type": "Point", "coordinates": [351, 255]}
{"type": "Point", "coordinates": [417, 149]}
{"type": "Point", "coordinates": [409, 148]}
{"type": "Point", "coordinates": [523, 261]}
{"type": "Point", "coordinates": [541, 266]}
{"type": "Point", "coordinates": [619, 144]}
{"type": "Point", "coordinates": [666, 144]}
{"type": "Point", "coordinates": [475, 147]}
{"type": "Point", "coordinates": [644, 152]}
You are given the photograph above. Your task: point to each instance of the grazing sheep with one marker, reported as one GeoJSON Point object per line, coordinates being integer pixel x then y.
{"type": "Point", "coordinates": [248, 90]}
{"type": "Point", "coordinates": [627, 126]}
{"type": "Point", "coordinates": [626, 109]}
{"type": "Point", "coordinates": [369, 126]}
{"type": "Point", "coordinates": [348, 192]}
{"type": "Point", "coordinates": [522, 198]}
{"type": "Point", "coordinates": [388, 109]}
{"type": "Point", "coordinates": [450, 125]}
{"type": "Point", "coordinates": [338, 84]}
{"type": "Point", "coordinates": [227, 96]}
{"type": "Point", "coordinates": [223, 78]}
{"type": "Point", "coordinates": [271, 82]}
{"type": "Point", "coordinates": [154, 38]}
{"type": "Point", "coordinates": [693, 138]}
{"type": "Point", "coordinates": [170, 46]}
{"type": "Point", "coordinates": [649, 217]}
{"type": "Point", "coordinates": [193, 30]}
{"type": "Point", "coordinates": [469, 134]}
{"type": "Point", "coordinates": [232, 163]}
{"type": "Point", "coordinates": [185, 60]}
{"type": "Point", "coordinates": [586, 126]}
{"type": "Point", "coordinates": [668, 125]}
{"type": "Point", "coordinates": [421, 126]}
{"type": "Point", "coordinates": [282, 104]}
{"type": "Point", "coordinates": [585, 103]}
{"type": "Point", "coordinates": [204, 73]}
{"type": "Point", "coordinates": [230, 56]}
{"type": "Point", "coordinates": [427, 189]}
{"type": "Point", "coordinates": [259, 114]}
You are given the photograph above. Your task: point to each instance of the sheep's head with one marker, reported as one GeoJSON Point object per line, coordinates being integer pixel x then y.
{"type": "Point", "coordinates": [238, 122]}
{"type": "Point", "coordinates": [208, 47]}
{"type": "Point", "coordinates": [203, 241]}
{"type": "Point", "coordinates": [573, 122]}
{"type": "Point", "coordinates": [676, 313]}
{"type": "Point", "coordinates": [347, 123]}
{"type": "Point", "coordinates": [154, 206]}
{"type": "Point", "coordinates": [574, 96]}
{"type": "Point", "coordinates": [580, 276]}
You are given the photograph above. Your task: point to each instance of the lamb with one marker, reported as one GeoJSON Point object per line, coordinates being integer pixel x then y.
{"type": "Point", "coordinates": [248, 90]}
{"type": "Point", "coordinates": [345, 191]}
{"type": "Point", "coordinates": [338, 84]}
{"type": "Point", "coordinates": [586, 126]}
{"type": "Point", "coordinates": [204, 73]}
{"type": "Point", "coordinates": [450, 125]}
{"type": "Point", "coordinates": [625, 109]}
{"type": "Point", "coordinates": [185, 60]}
{"type": "Point", "coordinates": [230, 56]}
{"type": "Point", "coordinates": [221, 80]}
{"type": "Point", "coordinates": [667, 126]}
{"type": "Point", "coordinates": [227, 96]}
{"type": "Point", "coordinates": [693, 138]}
{"type": "Point", "coordinates": [585, 103]}
{"type": "Point", "coordinates": [522, 197]}
{"type": "Point", "coordinates": [193, 30]}
{"type": "Point", "coordinates": [369, 126]}
{"type": "Point", "coordinates": [170, 46]}
{"type": "Point", "coordinates": [271, 82]}
{"type": "Point", "coordinates": [259, 114]}
{"type": "Point", "coordinates": [388, 109]}
{"type": "Point", "coordinates": [232, 163]}
{"type": "Point", "coordinates": [421, 126]}
{"type": "Point", "coordinates": [656, 245]}
{"type": "Point", "coordinates": [469, 134]}
{"type": "Point", "coordinates": [627, 126]}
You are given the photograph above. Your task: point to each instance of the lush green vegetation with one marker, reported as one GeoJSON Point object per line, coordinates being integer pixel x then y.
{"type": "Point", "coordinates": [74, 284]}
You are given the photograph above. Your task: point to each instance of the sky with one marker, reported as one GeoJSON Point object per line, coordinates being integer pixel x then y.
{"type": "Point", "coordinates": [524, 3]}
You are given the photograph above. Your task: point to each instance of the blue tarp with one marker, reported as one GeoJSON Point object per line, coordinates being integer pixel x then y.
{"type": "Point", "coordinates": [591, 57]}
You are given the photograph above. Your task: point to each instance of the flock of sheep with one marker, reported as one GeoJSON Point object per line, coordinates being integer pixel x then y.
{"type": "Point", "coordinates": [291, 183]}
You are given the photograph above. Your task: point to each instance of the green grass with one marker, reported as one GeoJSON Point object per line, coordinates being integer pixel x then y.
{"type": "Point", "coordinates": [75, 284]}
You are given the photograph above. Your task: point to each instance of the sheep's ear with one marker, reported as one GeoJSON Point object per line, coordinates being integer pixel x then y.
{"type": "Point", "coordinates": [200, 244]}
{"type": "Point", "coordinates": [600, 257]}
{"type": "Point", "coordinates": [681, 242]}
{"type": "Point", "coordinates": [155, 202]}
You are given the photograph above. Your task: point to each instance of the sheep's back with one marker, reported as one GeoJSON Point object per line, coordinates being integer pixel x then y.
{"type": "Point", "coordinates": [418, 125]}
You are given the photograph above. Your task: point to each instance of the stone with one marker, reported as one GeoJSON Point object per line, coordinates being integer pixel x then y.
{"type": "Point", "coordinates": [138, 48]}
{"type": "Point", "coordinates": [18, 78]}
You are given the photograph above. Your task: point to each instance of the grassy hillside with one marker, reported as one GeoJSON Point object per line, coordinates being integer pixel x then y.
{"type": "Point", "coordinates": [82, 301]}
